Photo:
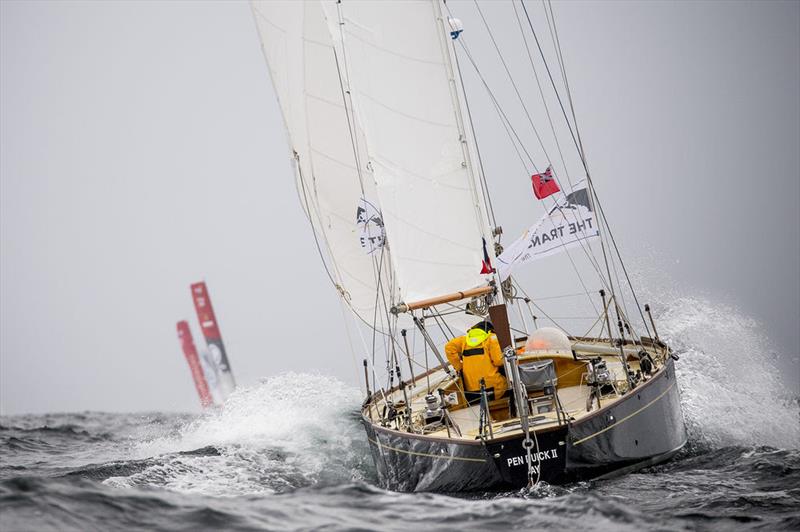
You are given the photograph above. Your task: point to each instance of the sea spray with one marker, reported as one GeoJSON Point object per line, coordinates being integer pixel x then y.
{"type": "Point", "coordinates": [731, 390]}
{"type": "Point", "coordinates": [289, 431]}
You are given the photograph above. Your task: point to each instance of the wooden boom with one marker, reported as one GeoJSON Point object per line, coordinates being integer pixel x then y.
{"type": "Point", "coordinates": [425, 303]}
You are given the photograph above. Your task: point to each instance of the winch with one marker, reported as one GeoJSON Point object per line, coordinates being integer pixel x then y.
{"type": "Point", "coordinates": [433, 410]}
{"type": "Point", "coordinates": [600, 377]}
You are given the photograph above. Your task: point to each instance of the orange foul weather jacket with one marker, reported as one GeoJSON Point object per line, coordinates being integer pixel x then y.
{"type": "Point", "coordinates": [478, 362]}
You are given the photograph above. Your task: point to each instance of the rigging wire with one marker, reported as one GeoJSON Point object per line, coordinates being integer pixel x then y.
{"type": "Point", "coordinates": [375, 312]}
{"type": "Point", "coordinates": [437, 316]}
{"type": "Point", "coordinates": [339, 287]}
{"type": "Point", "coordinates": [601, 321]}
{"type": "Point", "coordinates": [487, 199]}
{"type": "Point", "coordinates": [579, 145]}
{"type": "Point", "coordinates": [576, 294]}
{"type": "Point", "coordinates": [541, 93]}
{"type": "Point", "coordinates": [552, 82]}
{"type": "Point", "coordinates": [510, 130]}
{"type": "Point", "coordinates": [575, 140]}
{"type": "Point", "coordinates": [513, 84]}
{"type": "Point", "coordinates": [621, 290]}
{"type": "Point", "coordinates": [572, 108]}
{"type": "Point", "coordinates": [507, 125]}
{"type": "Point", "coordinates": [519, 286]}
{"type": "Point", "coordinates": [349, 337]}
{"type": "Point", "coordinates": [347, 95]}
{"type": "Point", "coordinates": [311, 222]}
{"type": "Point", "coordinates": [536, 133]}
{"type": "Point", "coordinates": [591, 258]}
{"type": "Point", "coordinates": [462, 42]}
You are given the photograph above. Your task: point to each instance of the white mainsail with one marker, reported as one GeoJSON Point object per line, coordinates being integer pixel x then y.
{"type": "Point", "coordinates": [370, 100]}
{"type": "Point", "coordinates": [404, 90]}
{"type": "Point", "coordinates": [304, 70]}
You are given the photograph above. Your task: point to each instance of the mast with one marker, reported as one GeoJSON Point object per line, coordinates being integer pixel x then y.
{"type": "Point", "coordinates": [498, 313]}
{"type": "Point", "coordinates": [468, 141]}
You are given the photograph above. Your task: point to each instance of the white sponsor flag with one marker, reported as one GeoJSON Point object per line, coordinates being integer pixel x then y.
{"type": "Point", "coordinates": [569, 222]}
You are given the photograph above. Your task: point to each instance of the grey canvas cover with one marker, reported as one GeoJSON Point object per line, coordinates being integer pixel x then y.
{"type": "Point", "coordinates": [536, 375]}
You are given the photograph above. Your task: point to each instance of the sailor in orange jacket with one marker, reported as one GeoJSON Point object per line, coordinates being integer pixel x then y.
{"type": "Point", "coordinates": [477, 356]}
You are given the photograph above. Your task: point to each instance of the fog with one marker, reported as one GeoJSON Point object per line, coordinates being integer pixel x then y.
{"type": "Point", "coordinates": [142, 149]}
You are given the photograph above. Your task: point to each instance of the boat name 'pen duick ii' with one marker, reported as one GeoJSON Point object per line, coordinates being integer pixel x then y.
{"type": "Point", "coordinates": [541, 456]}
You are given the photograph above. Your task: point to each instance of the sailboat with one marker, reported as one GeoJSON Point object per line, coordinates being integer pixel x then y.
{"type": "Point", "coordinates": [210, 368]}
{"type": "Point", "coordinates": [390, 176]}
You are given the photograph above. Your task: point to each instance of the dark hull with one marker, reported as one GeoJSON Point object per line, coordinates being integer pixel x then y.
{"type": "Point", "coordinates": [643, 428]}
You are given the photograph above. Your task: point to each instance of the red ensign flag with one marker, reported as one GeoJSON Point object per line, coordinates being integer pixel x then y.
{"type": "Point", "coordinates": [543, 184]}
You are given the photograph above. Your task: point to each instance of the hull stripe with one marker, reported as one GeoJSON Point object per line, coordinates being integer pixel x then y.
{"type": "Point", "coordinates": [626, 418]}
{"type": "Point", "coordinates": [415, 453]}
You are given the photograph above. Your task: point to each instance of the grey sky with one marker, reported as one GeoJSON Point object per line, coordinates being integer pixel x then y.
{"type": "Point", "coordinates": [141, 149]}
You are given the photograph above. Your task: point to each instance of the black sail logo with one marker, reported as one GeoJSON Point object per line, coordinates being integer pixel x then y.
{"type": "Point", "coordinates": [372, 234]}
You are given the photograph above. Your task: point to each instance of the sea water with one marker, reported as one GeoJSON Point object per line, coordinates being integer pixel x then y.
{"type": "Point", "coordinates": [280, 456]}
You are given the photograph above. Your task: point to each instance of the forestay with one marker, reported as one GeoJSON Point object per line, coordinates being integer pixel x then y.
{"type": "Point", "coordinates": [400, 73]}
{"type": "Point", "coordinates": [302, 63]}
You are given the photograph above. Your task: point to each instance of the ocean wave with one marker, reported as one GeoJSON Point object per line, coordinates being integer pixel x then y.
{"type": "Point", "coordinates": [290, 431]}
{"type": "Point", "coordinates": [289, 453]}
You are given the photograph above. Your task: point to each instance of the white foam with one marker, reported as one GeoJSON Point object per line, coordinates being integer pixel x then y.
{"type": "Point", "coordinates": [290, 430]}
{"type": "Point", "coordinates": [731, 391]}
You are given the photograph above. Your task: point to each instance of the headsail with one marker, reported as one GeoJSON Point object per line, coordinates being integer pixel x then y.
{"type": "Point", "coordinates": [403, 85]}
{"type": "Point", "coordinates": [304, 70]}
